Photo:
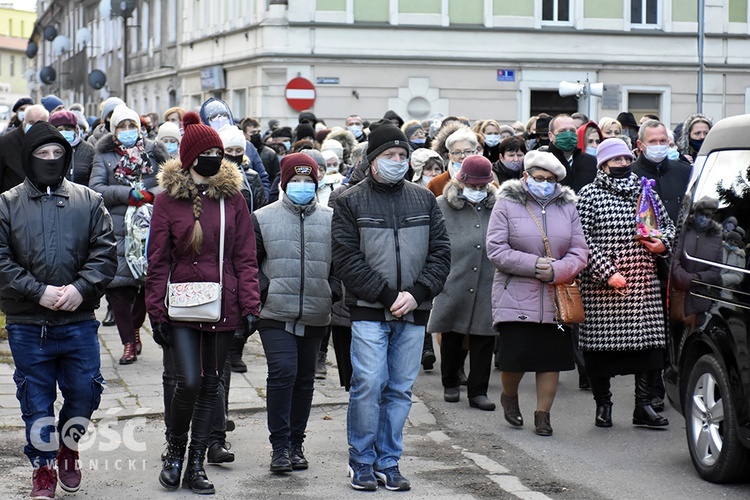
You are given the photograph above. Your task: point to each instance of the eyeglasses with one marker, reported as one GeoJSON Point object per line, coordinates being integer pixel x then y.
{"type": "Point", "coordinates": [539, 178]}
{"type": "Point", "coordinates": [621, 159]}
{"type": "Point", "coordinates": [464, 153]}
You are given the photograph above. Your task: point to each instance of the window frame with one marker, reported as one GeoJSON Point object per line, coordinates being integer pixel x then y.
{"type": "Point", "coordinates": [660, 15]}
{"type": "Point", "coordinates": [572, 5]}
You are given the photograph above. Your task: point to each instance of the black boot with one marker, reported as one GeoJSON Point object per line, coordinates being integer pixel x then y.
{"type": "Point", "coordinates": [428, 353]}
{"type": "Point", "coordinates": [297, 457]}
{"type": "Point", "coordinates": [235, 355]}
{"type": "Point", "coordinates": [195, 476]}
{"type": "Point", "coordinates": [171, 469]}
{"type": "Point", "coordinates": [218, 453]}
{"type": "Point", "coordinates": [280, 461]}
{"type": "Point", "coordinates": [644, 413]}
{"type": "Point", "coordinates": [109, 318]}
{"type": "Point", "coordinates": [603, 398]}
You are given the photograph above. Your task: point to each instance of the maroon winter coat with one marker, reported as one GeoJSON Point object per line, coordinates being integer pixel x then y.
{"type": "Point", "coordinates": [169, 246]}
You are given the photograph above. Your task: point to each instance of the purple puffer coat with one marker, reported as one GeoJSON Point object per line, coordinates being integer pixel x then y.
{"type": "Point", "coordinates": [514, 243]}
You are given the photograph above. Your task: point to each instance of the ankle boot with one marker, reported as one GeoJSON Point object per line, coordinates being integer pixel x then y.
{"type": "Point", "coordinates": [138, 343]}
{"type": "Point", "coordinates": [195, 476]}
{"type": "Point", "coordinates": [542, 424]}
{"type": "Point", "coordinates": [603, 397]}
{"type": "Point", "coordinates": [511, 410]}
{"type": "Point", "coordinates": [171, 469]}
{"type": "Point", "coordinates": [644, 413]}
{"type": "Point", "coordinates": [128, 354]}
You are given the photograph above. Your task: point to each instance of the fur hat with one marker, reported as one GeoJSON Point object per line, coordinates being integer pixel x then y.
{"type": "Point", "coordinates": [706, 204]}
{"type": "Point", "coordinates": [63, 118]}
{"type": "Point", "coordinates": [477, 169]}
{"type": "Point", "coordinates": [385, 136]}
{"type": "Point", "coordinates": [169, 129]}
{"type": "Point", "coordinates": [544, 160]}
{"type": "Point", "coordinates": [196, 139]}
{"type": "Point", "coordinates": [122, 113]}
{"type": "Point", "coordinates": [231, 136]}
{"type": "Point", "coordinates": [297, 163]}
{"type": "Point", "coordinates": [611, 148]}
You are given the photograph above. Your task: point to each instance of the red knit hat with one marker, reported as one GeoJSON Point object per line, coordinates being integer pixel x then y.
{"type": "Point", "coordinates": [196, 139]}
{"type": "Point", "coordinates": [297, 163]}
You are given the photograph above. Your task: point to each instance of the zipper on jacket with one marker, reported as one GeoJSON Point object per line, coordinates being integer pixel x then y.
{"type": "Point", "coordinates": [398, 246]}
{"type": "Point", "coordinates": [302, 268]}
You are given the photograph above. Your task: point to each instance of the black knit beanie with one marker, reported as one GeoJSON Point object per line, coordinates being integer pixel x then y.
{"type": "Point", "coordinates": [383, 137]}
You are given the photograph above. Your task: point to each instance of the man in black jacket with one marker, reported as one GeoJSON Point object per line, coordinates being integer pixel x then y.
{"type": "Point", "coordinates": [11, 170]}
{"type": "Point", "coordinates": [57, 255]}
{"type": "Point", "coordinates": [580, 167]}
{"type": "Point", "coordinates": [392, 253]}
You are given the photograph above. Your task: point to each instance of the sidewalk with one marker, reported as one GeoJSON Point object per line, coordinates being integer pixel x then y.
{"type": "Point", "coordinates": [136, 389]}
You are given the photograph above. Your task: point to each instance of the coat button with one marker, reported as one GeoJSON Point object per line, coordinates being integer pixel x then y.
{"type": "Point", "coordinates": [213, 327]}
{"type": "Point", "coordinates": [476, 225]}
{"type": "Point", "coordinates": [471, 290]}
{"type": "Point", "coordinates": [479, 247]}
{"type": "Point", "coordinates": [474, 269]}
{"type": "Point", "coordinates": [195, 263]}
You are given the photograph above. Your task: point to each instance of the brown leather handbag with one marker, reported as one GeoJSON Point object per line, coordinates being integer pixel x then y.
{"type": "Point", "coordinates": [566, 296]}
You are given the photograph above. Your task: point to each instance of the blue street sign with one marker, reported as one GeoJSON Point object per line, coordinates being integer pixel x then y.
{"type": "Point", "coordinates": [506, 75]}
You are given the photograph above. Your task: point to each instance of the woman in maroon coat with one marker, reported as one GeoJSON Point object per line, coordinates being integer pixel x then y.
{"type": "Point", "coordinates": [183, 247]}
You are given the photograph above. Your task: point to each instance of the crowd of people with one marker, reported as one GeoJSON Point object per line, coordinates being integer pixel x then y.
{"type": "Point", "coordinates": [375, 237]}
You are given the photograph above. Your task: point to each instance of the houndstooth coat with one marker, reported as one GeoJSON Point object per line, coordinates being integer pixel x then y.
{"type": "Point", "coordinates": [614, 322]}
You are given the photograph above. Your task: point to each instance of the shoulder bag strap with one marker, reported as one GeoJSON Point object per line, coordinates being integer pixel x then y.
{"type": "Point", "coordinates": [221, 242]}
{"type": "Point", "coordinates": [541, 230]}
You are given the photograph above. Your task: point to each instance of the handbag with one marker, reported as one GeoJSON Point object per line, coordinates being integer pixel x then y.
{"type": "Point", "coordinates": [566, 296]}
{"type": "Point", "coordinates": [201, 300]}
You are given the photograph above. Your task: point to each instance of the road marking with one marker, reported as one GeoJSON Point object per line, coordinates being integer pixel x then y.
{"type": "Point", "coordinates": [486, 463]}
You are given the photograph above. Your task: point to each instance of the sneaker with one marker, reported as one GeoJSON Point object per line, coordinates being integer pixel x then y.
{"type": "Point", "coordinates": [392, 479]}
{"type": "Point", "coordinates": [68, 468]}
{"type": "Point", "coordinates": [362, 477]}
{"type": "Point", "coordinates": [44, 482]}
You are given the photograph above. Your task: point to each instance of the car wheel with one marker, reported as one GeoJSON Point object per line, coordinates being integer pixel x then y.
{"type": "Point", "coordinates": [711, 424]}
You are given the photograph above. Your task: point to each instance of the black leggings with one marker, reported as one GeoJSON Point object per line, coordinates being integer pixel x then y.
{"type": "Point", "coordinates": [199, 364]}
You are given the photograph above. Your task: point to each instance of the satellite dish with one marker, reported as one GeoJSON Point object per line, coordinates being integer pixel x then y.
{"type": "Point", "coordinates": [123, 8]}
{"type": "Point", "coordinates": [31, 50]}
{"type": "Point", "coordinates": [105, 8]}
{"type": "Point", "coordinates": [61, 45]}
{"type": "Point", "coordinates": [83, 36]}
{"type": "Point", "coordinates": [47, 75]}
{"type": "Point", "coordinates": [50, 33]}
{"type": "Point", "coordinates": [97, 79]}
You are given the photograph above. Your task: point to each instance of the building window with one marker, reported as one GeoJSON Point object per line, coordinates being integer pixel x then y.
{"type": "Point", "coordinates": [642, 103]}
{"type": "Point", "coordinates": [172, 20]}
{"type": "Point", "coordinates": [239, 102]}
{"type": "Point", "coordinates": [644, 12]}
{"type": "Point", "coordinates": [556, 10]}
{"type": "Point", "coordinates": [550, 102]}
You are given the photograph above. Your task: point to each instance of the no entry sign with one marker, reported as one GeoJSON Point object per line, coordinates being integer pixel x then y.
{"type": "Point", "coordinates": [300, 93]}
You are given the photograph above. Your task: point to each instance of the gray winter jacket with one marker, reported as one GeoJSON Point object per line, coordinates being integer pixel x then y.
{"type": "Point", "coordinates": [514, 243]}
{"type": "Point", "coordinates": [465, 304]}
{"type": "Point", "coordinates": [294, 256]}
{"type": "Point", "coordinates": [116, 194]}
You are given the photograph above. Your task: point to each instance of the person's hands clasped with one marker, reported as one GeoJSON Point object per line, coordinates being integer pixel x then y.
{"type": "Point", "coordinates": [70, 299]}
{"type": "Point", "coordinates": [543, 270]}
{"type": "Point", "coordinates": [404, 304]}
{"type": "Point", "coordinates": [653, 245]}
{"type": "Point", "coordinates": [617, 281]}
{"type": "Point", "coordinates": [51, 296]}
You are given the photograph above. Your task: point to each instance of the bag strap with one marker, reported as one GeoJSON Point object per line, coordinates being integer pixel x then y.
{"type": "Point", "coordinates": [541, 230]}
{"type": "Point", "coordinates": [221, 243]}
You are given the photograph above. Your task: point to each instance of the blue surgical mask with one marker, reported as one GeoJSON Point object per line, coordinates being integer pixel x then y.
{"type": "Point", "coordinates": [69, 135]}
{"type": "Point", "coordinates": [731, 247]}
{"type": "Point", "coordinates": [21, 115]}
{"type": "Point", "coordinates": [591, 150]}
{"type": "Point", "coordinates": [673, 154]}
{"type": "Point", "coordinates": [473, 195]}
{"type": "Point", "coordinates": [702, 221]}
{"type": "Point", "coordinates": [356, 130]}
{"type": "Point", "coordinates": [287, 145]}
{"type": "Point", "coordinates": [454, 168]}
{"type": "Point", "coordinates": [392, 171]}
{"type": "Point", "coordinates": [542, 190]}
{"type": "Point", "coordinates": [515, 165]}
{"type": "Point", "coordinates": [301, 193]}
{"type": "Point", "coordinates": [26, 127]}
{"type": "Point", "coordinates": [419, 141]}
{"type": "Point", "coordinates": [657, 153]}
{"type": "Point", "coordinates": [172, 147]}
{"type": "Point", "coordinates": [492, 140]}
{"type": "Point", "coordinates": [128, 138]}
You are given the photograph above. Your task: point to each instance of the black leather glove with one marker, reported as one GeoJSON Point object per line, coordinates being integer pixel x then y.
{"type": "Point", "coordinates": [250, 322]}
{"type": "Point", "coordinates": [162, 334]}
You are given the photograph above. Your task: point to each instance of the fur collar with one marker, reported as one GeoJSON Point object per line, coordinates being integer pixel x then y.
{"type": "Point", "coordinates": [515, 191]}
{"type": "Point", "coordinates": [453, 190]}
{"type": "Point", "coordinates": [177, 182]}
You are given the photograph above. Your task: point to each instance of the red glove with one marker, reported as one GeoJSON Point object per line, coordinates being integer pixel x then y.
{"type": "Point", "coordinates": [148, 197]}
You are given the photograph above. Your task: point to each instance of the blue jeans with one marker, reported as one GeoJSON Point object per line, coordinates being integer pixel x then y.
{"type": "Point", "coordinates": [66, 356]}
{"type": "Point", "coordinates": [290, 384]}
{"type": "Point", "coordinates": [385, 364]}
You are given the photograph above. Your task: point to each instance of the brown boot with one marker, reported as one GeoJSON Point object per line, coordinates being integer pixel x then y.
{"type": "Point", "coordinates": [511, 410]}
{"type": "Point", "coordinates": [128, 354]}
{"type": "Point", "coordinates": [138, 343]}
{"type": "Point", "coordinates": [541, 421]}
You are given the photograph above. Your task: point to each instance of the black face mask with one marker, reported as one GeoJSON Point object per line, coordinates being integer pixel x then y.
{"type": "Point", "coordinates": [45, 173]}
{"type": "Point", "coordinates": [620, 172]}
{"type": "Point", "coordinates": [235, 158]}
{"type": "Point", "coordinates": [256, 141]}
{"type": "Point", "coordinates": [208, 166]}
{"type": "Point", "coordinates": [696, 144]}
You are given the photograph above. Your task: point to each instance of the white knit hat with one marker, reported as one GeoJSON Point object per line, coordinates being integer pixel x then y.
{"type": "Point", "coordinates": [328, 154]}
{"type": "Point", "coordinates": [333, 145]}
{"type": "Point", "coordinates": [231, 136]}
{"type": "Point", "coordinates": [122, 113]}
{"type": "Point", "coordinates": [169, 129]}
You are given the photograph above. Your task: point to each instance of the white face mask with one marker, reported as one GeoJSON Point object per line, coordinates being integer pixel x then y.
{"type": "Point", "coordinates": [473, 195]}
{"type": "Point", "coordinates": [454, 168]}
{"type": "Point", "coordinates": [657, 153]}
{"type": "Point", "coordinates": [426, 179]}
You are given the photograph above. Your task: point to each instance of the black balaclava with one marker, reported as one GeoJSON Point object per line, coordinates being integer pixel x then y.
{"type": "Point", "coordinates": [44, 173]}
